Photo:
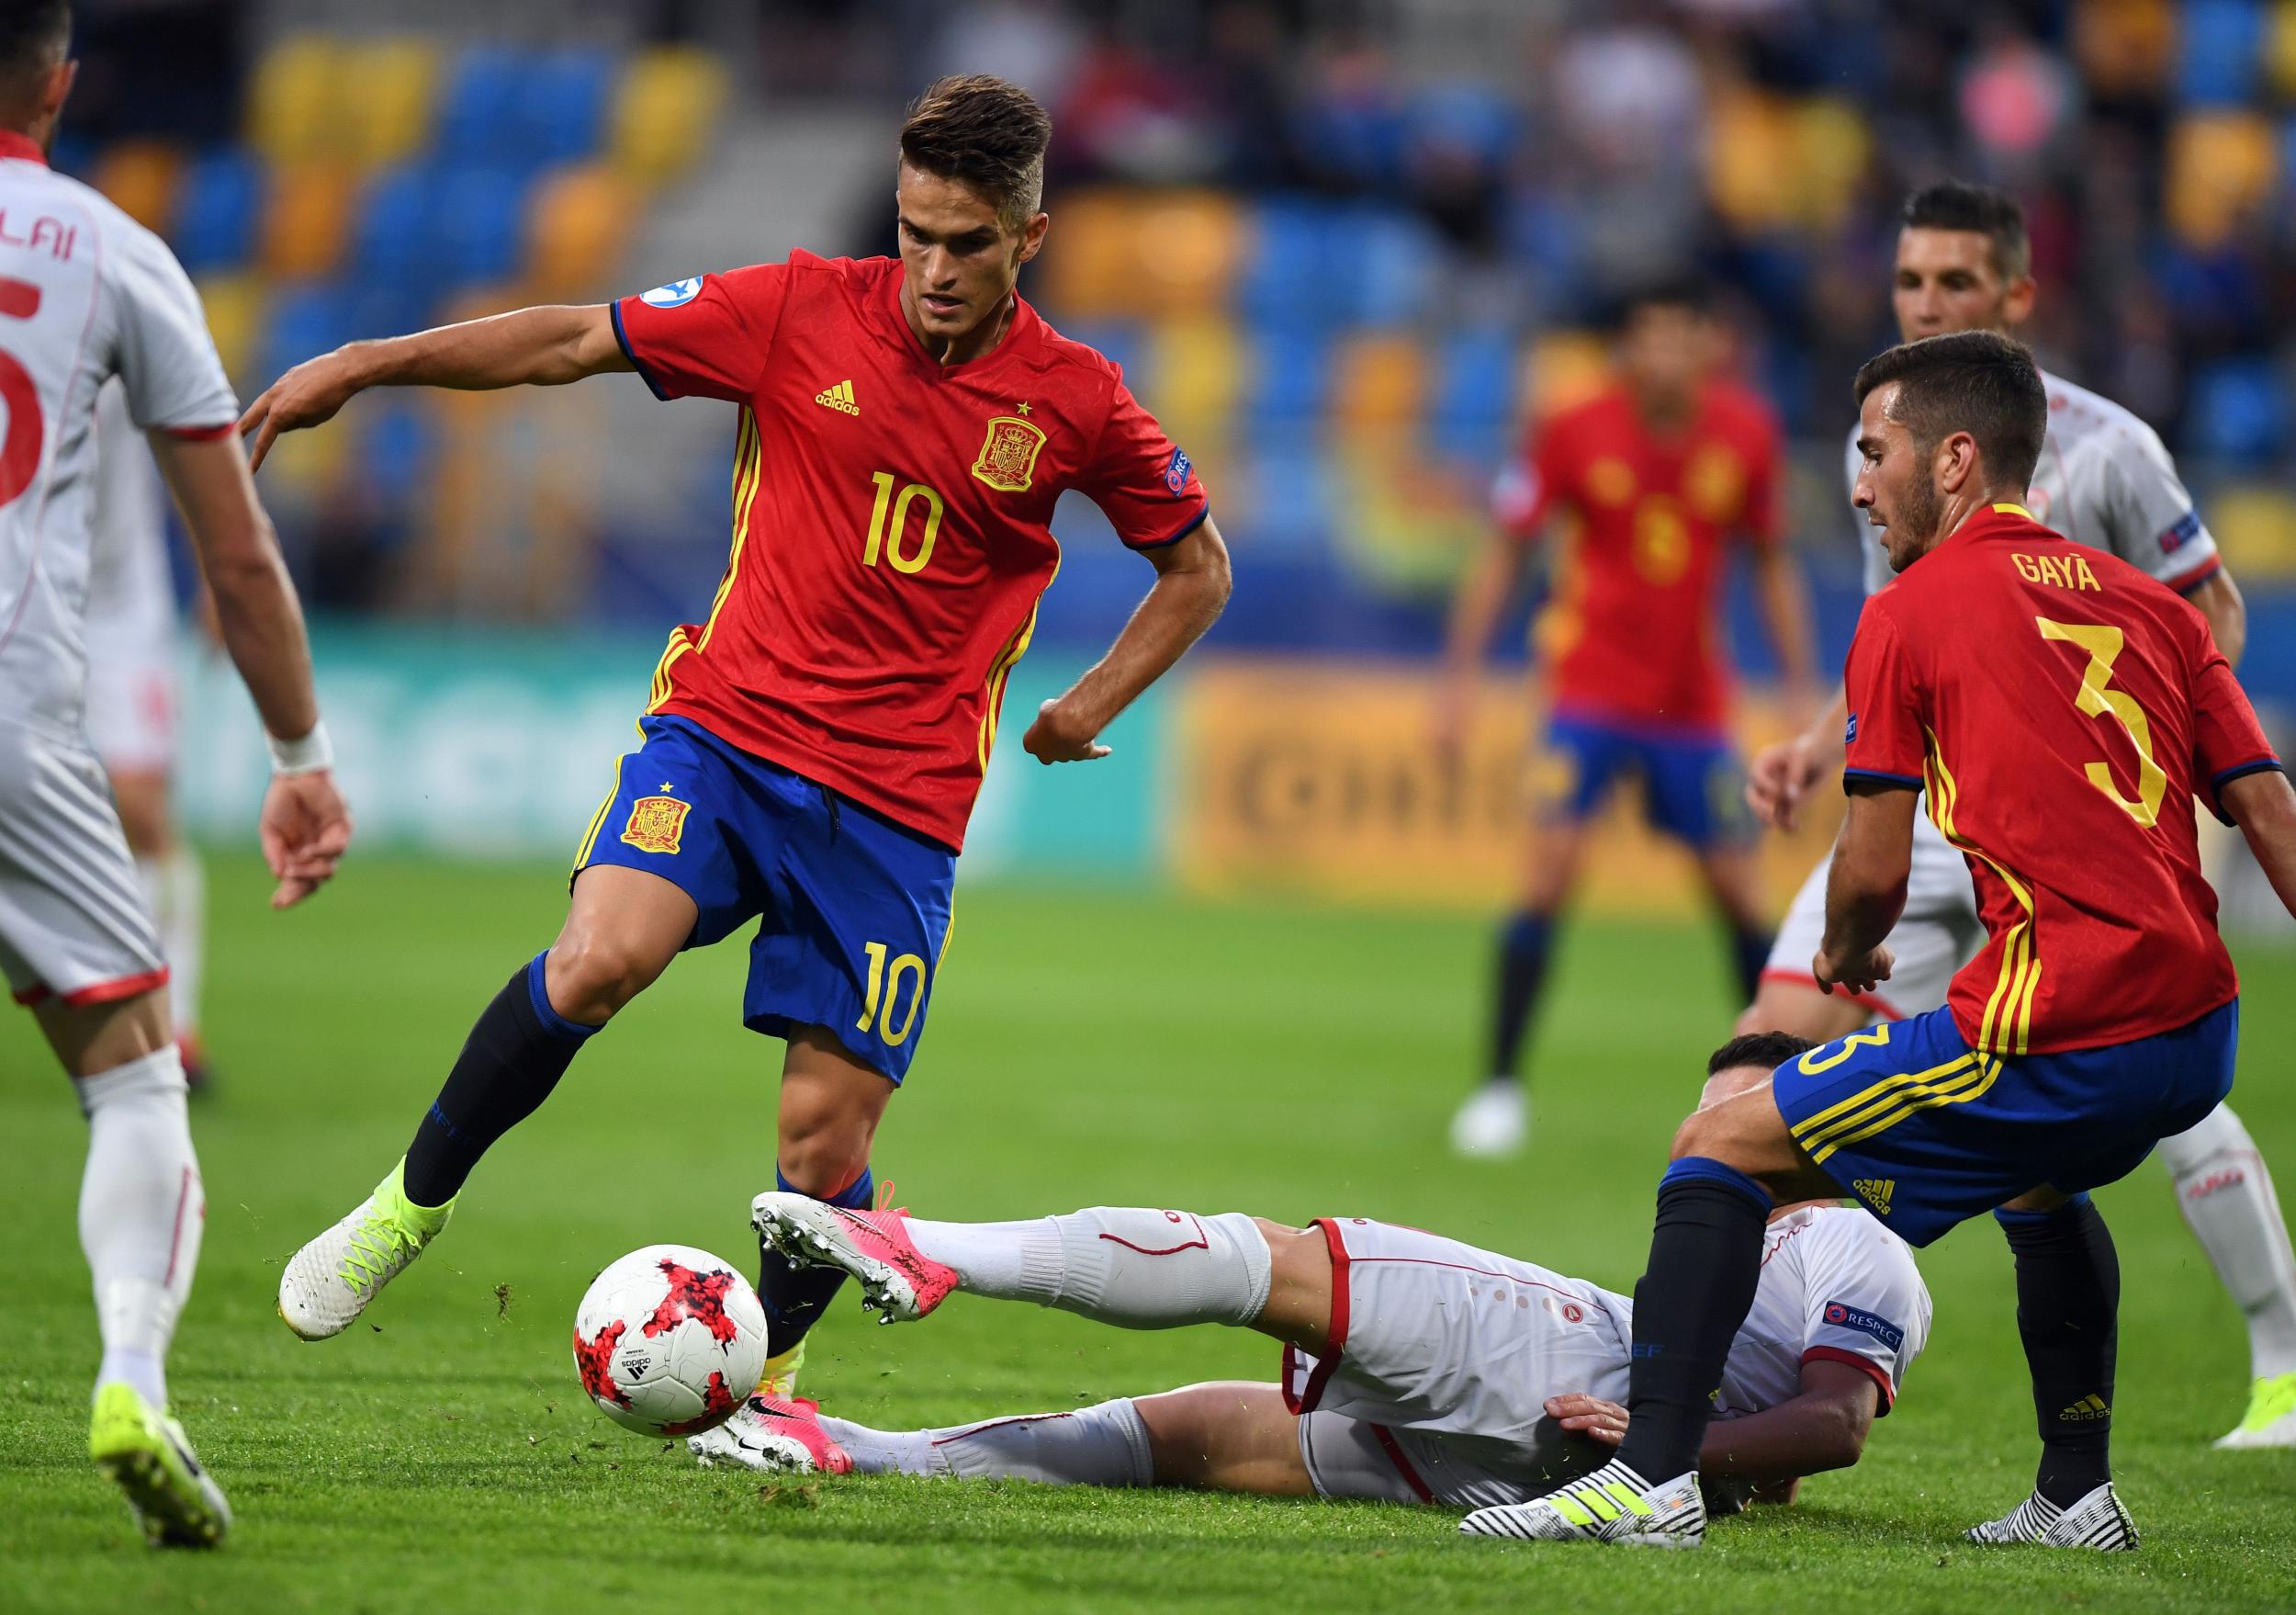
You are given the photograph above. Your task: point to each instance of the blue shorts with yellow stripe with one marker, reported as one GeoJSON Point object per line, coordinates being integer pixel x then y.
{"type": "Point", "coordinates": [852, 910]}
{"type": "Point", "coordinates": [1927, 1133]}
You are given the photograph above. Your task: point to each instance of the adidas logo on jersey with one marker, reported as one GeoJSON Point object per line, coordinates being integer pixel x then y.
{"type": "Point", "coordinates": [1874, 1192]}
{"type": "Point", "coordinates": [839, 397]}
{"type": "Point", "coordinates": [2091, 1406]}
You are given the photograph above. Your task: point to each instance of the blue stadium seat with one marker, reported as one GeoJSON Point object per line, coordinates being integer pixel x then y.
{"type": "Point", "coordinates": [1291, 376]}
{"type": "Point", "coordinates": [1290, 276]}
{"type": "Point", "coordinates": [2239, 412]}
{"type": "Point", "coordinates": [1474, 397]}
{"type": "Point", "coordinates": [2223, 45]}
{"type": "Point", "coordinates": [480, 222]}
{"type": "Point", "coordinates": [1125, 342]}
{"type": "Point", "coordinates": [1392, 276]}
{"type": "Point", "coordinates": [306, 318]}
{"type": "Point", "coordinates": [1286, 494]}
{"type": "Point", "coordinates": [1466, 117]}
{"type": "Point", "coordinates": [219, 207]}
{"type": "Point", "coordinates": [394, 240]}
{"type": "Point", "coordinates": [562, 107]}
{"type": "Point", "coordinates": [395, 447]}
{"type": "Point", "coordinates": [477, 116]}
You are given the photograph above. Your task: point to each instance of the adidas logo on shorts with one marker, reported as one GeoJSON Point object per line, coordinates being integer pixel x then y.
{"type": "Point", "coordinates": [1874, 1192]}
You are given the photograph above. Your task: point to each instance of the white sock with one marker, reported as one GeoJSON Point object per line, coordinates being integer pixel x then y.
{"type": "Point", "coordinates": [141, 1212]}
{"type": "Point", "coordinates": [176, 888]}
{"type": "Point", "coordinates": [1134, 1267]}
{"type": "Point", "coordinates": [2226, 1196]}
{"type": "Point", "coordinates": [1105, 1445]}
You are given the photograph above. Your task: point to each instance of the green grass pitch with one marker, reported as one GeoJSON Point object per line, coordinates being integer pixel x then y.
{"type": "Point", "coordinates": [1086, 1048]}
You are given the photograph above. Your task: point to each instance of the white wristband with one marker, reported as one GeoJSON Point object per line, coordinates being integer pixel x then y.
{"type": "Point", "coordinates": [310, 754]}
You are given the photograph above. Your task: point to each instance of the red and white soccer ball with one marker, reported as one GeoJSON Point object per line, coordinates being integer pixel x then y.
{"type": "Point", "coordinates": [668, 1340]}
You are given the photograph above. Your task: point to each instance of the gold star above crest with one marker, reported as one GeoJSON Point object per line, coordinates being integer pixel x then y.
{"type": "Point", "coordinates": [1022, 406]}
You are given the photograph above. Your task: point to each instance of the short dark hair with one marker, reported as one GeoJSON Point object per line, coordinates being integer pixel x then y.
{"type": "Point", "coordinates": [1670, 291]}
{"type": "Point", "coordinates": [34, 36]}
{"type": "Point", "coordinates": [1955, 204]}
{"type": "Point", "coordinates": [984, 133]}
{"type": "Point", "coordinates": [1771, 1049]}
{"type": "Point", "coordinates": [1975, 381]}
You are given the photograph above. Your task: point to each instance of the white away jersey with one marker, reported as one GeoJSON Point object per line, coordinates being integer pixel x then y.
{"type": "Point", "coordinates": [85, 294]}
{"type": "Point", "coordinates": [1835, 1283]}
{"type": "Point", "coordinates": [2105, 480]}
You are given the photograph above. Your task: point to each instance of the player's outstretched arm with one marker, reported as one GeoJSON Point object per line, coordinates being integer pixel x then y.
{"type": "Point", "coordinates": [1866, 891]}
{"type": "Point", "coordinates": [1823, 1428]}
{"type": "Point", "coordinates": [2220, 599]}
{"type": "Point", "coordinates": [1484, 593]}
{"type": "Point", "coordinates": [546, 346]}
{"type": "Point", "coordinates": [1783, 775]}
{"type": "Point", "coordinates": [1191, 587]}
{"type": "Point", "coordinates": [1785, 611]}
{"type": "Point", "coordinates": [2264, 805]}
{"type": "Point", "coordinates": [306, 827]}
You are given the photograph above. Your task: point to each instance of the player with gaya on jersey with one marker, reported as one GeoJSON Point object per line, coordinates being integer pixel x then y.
{"type": "Point", "coordinates": [1660, 471]}
{"type": "Point", "coordinates": [811, 749]}
{"type": "Point", "coordinates": [87, 295]}
{"type": "Point", "coordinates": [2104, 479]}
{"type": "Point", "coordinates": [1416, 1368]}
{"type": "Point", "coordinates": [2059, 709]}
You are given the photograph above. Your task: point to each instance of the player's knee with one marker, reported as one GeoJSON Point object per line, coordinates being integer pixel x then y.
{"type": "Point", "coordinates": [821, 1150]}
{"type": "Point", "coordinates": [590, 976]}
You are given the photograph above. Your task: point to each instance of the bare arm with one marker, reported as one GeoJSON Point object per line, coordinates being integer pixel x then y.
{"type": "Point", "coordinates": [2264, 807]}
{"type": "Point", "coordinates": [1192, 585]}
{"type": "Point", "coordinates": [1866, 891]}
{"type": "Point", "coordinates": [306, 827]}
{"type": "Point", "coordinates": [2219, 602]}
{"type": "Point", "coordinates": [1785, 612]}
{"type": "Point", "coordinates": [1484, 594]}
{"type": "Point", "coordinates": [1783, 775]}
{"type": "Point", "coordinates": [1823, 1428]}
{"type": "Point", "coordinates": [546, 346]}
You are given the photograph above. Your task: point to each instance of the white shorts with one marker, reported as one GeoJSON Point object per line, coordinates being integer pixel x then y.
{"type": "Point", "coordinates": [1442, 1359]}
{"type": "Point", "coordinates": [1938, 933]}
{"type": "Point", "coordinates": [73, 919]}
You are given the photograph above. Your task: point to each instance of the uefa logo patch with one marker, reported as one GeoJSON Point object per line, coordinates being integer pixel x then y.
{"type": "Point", "coordinates": [1176, 471]}
{"type": "Point", "coordinates": [1866, 1323]}
{"type": "Point", "coordinates": [676, 294]}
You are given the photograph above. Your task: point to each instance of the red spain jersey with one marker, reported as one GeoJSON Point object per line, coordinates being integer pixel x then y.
{"type": "Point", "coordinates": [892, 520]}
{"type": "Point", "coordinates": [1633, 633]}
{"type": "Point", "coordinates": [2061, 709]}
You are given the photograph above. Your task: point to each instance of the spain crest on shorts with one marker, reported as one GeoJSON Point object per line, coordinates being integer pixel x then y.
{"type": "Point", "coordinates": [1007, 457]}
{"type": "Point", "coordinates": [656, 823]}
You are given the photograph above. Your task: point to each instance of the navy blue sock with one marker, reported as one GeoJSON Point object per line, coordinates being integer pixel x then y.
{"type": "Point", "coordinates": [796, 1297]}
{"type": "Point", "coordinates": [2068, 1303]}
{"type": "Point", "coordinates": [1705, 1258]}
{"type": "Point", "coordinates": [1522, 972]}
{"type": "Point", "coordinates": [509, 1064]}
{"type": "Point", "coordinates": [1750, 955]}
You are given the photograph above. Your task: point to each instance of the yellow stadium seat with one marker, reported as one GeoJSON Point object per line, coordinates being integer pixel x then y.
{"type": "Point", "coordinates": [2221, 166]}
{"type": "Point", "coordinates": [306, 218]}
{"type": "Point", "coordinates": [2125, 47]}
{"type": "Point", "coordinates": [1125, 252]}
{"type": "Point", "coordinates": [576, 226]}
{"type": "Point", "coordinates": [2256, 527]}
{"type": "Point", "coordinates": [1088, 273]}
{"type": "Point", "coordinates": [1377, 384]}
{"type": "Point", "coordinates": [234, 308]}
{"type": "Point", "coordinates": [1751, 157]}
{"type": "Point", "coordinates": [1565, 367]}
{"type": "Point", "coordinates": [1833, 148]}
{"type": "Point", "coordinates": [2280, 49]}
{"type": "Point", "coordinates": [292, 110]}
{"type": "Point", "coordinates": [140, 177]}
{"type": "Point", "coordinates": [665, 113]}
{"type": "Point", "coordinates": [386, 91]}
{"type": "Point", "coordinates": [1198, 362]}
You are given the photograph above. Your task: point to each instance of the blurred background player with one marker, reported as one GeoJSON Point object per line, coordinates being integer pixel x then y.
{"type": "Point", "coordinates": [134, 703]}
{"type": "Point", "coordinates": [1659, 471]}
{"type": "Point", "coordinates": [87, 295]}
{"type": "Point", "coordinates": [1416, 1368]}
{"type": "Point", "coordinates": [1963, 263]}
{"type": "Point", "coordinates": [812, 754]}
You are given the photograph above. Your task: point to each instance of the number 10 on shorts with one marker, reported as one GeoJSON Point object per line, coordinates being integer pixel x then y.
{"type": "Point", "coordinates": [885, 994]}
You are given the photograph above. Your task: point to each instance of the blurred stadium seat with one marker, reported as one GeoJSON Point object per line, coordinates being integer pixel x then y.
{"type": "Point", "coordinates": [140, 176]}
{"type": "Point", "coordinates": [666, 113]}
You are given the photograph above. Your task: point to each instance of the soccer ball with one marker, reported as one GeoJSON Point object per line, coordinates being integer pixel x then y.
{"type": "Point", "coordinates": [668, 1340]}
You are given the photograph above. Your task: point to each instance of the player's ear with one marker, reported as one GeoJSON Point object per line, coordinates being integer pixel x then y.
{"type": "Point", "coordinates": [1033, 237]}
{"type": "Point", "coordinates": [2017, 300]}
{"type": "Point", "coordinates": [1956, 461]}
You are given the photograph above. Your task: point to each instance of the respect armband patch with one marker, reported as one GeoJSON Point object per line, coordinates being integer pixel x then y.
{"type": "Point", "coordinates": [1842, 1316]}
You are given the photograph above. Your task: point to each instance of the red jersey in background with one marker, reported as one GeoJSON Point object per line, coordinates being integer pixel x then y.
{"type": "Point", "coordinates": [892, 520]}
{"type": "Point", "coordinates": [1633, 633]}
{"type": "Point", "coordinates": [2060, 708]}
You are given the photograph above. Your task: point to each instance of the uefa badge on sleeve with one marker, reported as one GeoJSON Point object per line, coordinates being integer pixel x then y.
{"type": "Point", "coordinates": [675, 295]}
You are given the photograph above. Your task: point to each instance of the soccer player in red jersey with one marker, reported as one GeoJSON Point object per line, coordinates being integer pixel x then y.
{"type": "Point", "coordinates": [811, 749]}
{"type": "Point", "coordinates": [2060, 709]}
{"type": "Point", "coordinates": [1660, 469]}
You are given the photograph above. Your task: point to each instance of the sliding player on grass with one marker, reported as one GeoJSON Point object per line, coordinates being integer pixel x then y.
{"type": "Point", "coordinates": [812, 748]}
{"type": "Point", "coordinates": [2104, 479]}
{"type": "Point", "coordinates": [2059, 709]}
{"type": "Point", "coordinates": [1416, 1368]}
{"type": "Point", "coordinates": [86, 295]}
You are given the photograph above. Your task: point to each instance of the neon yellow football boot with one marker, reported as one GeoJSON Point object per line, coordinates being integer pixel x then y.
{"type": "Point", "coordinates": [2270, 1420]}
{"type": "Point", "coordinates": [329, 1282]}
{"type": "Point", "coordinates": [175, 1501]}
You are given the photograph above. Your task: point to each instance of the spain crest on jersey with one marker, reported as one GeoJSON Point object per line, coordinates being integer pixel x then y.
{"type": "Point", "coordinates": [1007, 457]}
{"type": "Point", "coordinates": [656, 823]}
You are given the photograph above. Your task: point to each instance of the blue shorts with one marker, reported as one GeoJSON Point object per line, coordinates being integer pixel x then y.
{"type": "Point", "coordinates": [1693, 785]}
{"type": "Point", "coordinates": [1927, 1134]}
{"type": "Point", "coordinates": [852, 908]}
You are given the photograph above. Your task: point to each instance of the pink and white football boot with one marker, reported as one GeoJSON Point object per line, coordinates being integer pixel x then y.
{"type": "Point", "coordinates": [774, 1435]}
{"type": "Point", "coordinates": [898, 1280]}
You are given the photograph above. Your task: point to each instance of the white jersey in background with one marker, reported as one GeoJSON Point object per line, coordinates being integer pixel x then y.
{"type": "Point", "coordinates": [85, 294]}
{"type": "Point", "coordinates": [131, 620]}
{"type": "Point", "coordinates": [1443, 1356]}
